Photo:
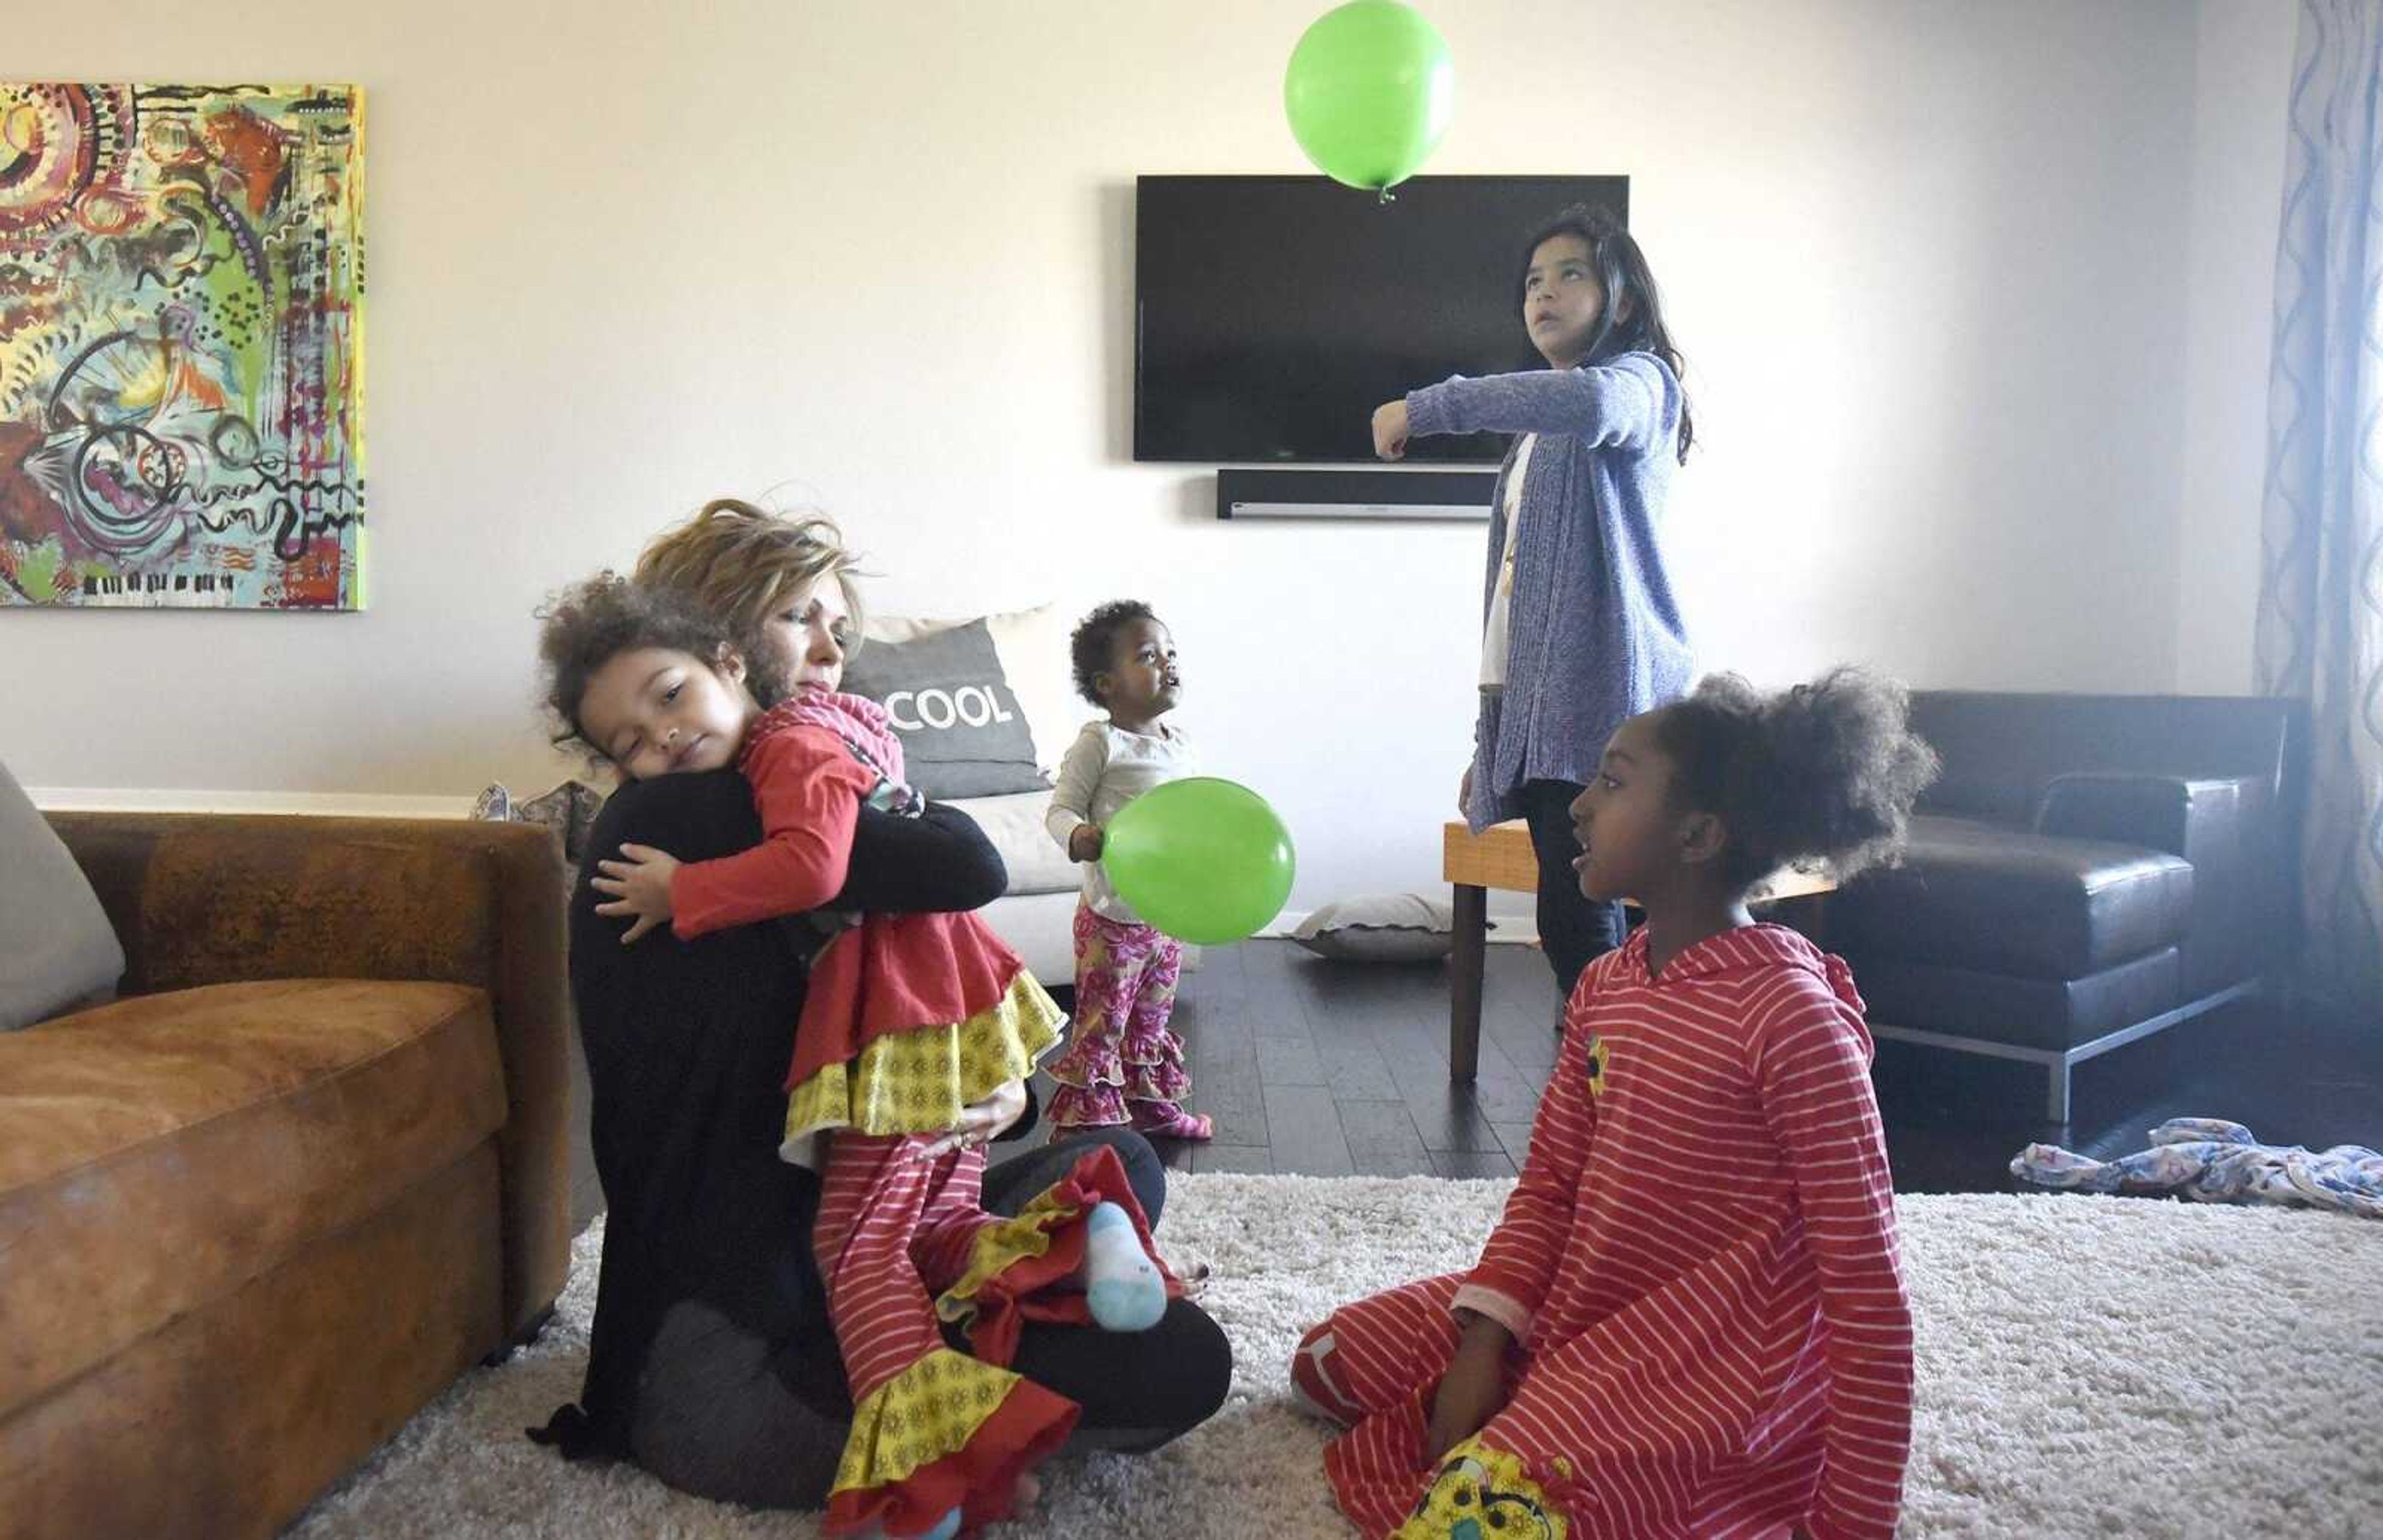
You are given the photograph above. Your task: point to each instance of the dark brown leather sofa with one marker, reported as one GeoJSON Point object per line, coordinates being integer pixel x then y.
{"type": "Point", "coordinates": [2088, 870]}
{"type": "Point", "coordinates": [307, 1169]}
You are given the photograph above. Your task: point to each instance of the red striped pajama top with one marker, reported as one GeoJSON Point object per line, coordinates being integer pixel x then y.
{"type": "Point", "coordinates": [1707, 1203]}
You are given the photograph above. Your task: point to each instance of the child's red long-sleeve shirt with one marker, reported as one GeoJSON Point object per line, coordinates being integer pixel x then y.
{"type": "Point", "coordinates": [899, 972]}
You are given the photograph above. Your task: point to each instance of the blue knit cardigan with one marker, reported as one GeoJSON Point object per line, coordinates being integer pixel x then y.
{"type": "Point", "coordinates": [1595, 636]}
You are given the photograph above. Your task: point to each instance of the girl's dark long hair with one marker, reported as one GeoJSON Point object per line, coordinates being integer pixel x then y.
{"type": "Point", "coordinates": [1633, 317]}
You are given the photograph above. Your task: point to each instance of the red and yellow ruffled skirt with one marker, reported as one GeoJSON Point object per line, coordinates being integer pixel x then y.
{"type": "Point", "coordinates": [918, 1081]}
{"type": "Point", "coordinates": [955, 1430]}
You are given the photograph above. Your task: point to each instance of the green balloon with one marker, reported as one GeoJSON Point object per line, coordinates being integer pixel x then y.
{"type": "Point", "coordinates": [1369, 93]}
{"type": "Point", "coordinates": [1205, 860]}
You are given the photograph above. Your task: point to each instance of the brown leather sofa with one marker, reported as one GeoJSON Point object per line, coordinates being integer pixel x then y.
{"type": "Point", "coordinates": [2088, 869]}
{"type": "Point", "coordinates": [309, 1167]}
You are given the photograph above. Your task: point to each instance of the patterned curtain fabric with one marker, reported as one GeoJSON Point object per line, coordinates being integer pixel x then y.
{"type": "Point", "coordinates": [2320, 624]}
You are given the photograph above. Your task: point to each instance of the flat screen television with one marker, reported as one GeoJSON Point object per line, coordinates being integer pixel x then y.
{"type": "Point", "coordinates": [1273, 313]}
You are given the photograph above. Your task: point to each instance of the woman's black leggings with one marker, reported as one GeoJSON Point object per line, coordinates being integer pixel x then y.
{"type": "Point", "coordinates": [717, 1417]}
{"type": "Point", "coordinates": [1573, 931]}
{"type": "Point", "coordinates": [1138, 1391]}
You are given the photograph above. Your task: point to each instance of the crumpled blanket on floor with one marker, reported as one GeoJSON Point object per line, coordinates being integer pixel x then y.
{"type": "Point", "coordinates": [2216, 1162]}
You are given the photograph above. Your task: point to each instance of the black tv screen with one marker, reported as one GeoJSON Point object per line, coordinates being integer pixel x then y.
{"type": "Point", "coordinates": [1273, 313]}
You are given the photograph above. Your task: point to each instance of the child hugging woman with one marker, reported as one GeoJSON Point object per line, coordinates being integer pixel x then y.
{"type": "Point", "coordinates": [908, 1021]}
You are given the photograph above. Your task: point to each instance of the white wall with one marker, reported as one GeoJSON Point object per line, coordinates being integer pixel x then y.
{"type": "Point", "coordinates": [1930, 263]}
{"type": "Point", "coordinates": [2245, 63]}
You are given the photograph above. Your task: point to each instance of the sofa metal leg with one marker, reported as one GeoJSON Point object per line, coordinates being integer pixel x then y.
{"type": "Point", "coordinates": [2056, 1104]}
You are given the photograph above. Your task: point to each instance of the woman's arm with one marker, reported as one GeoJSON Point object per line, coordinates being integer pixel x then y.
{"type": "Point", "coordinates": [938, 862]}
{"type": "Point", "coordinates": [1628, 404]}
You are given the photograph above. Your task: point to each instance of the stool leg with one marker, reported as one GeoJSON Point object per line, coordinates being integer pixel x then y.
{"type": "Point", "coordinates": [2055, 1103]}
{"type": "Point", "coordinates": [1471, 960]}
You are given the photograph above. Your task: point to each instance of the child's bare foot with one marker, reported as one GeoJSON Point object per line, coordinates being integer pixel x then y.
{"type": "Point", "coordinates": [1026, 1493]}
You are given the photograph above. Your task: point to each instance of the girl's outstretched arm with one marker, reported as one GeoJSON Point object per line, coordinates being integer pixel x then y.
{"type": "Point", "coordinates": [1629, 402]}
{"type": "Point", "coordinates": [1813, 1072]}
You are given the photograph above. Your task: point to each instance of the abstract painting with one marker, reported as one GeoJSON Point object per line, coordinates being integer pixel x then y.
{"type": "Point", "coordinates": [181, 346]}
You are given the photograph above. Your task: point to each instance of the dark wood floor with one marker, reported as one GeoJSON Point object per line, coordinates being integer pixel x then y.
{"type": "Point", "coordinates": [1331, 1068]}
{"type": "Point", "coordinates": [1338, 1068]}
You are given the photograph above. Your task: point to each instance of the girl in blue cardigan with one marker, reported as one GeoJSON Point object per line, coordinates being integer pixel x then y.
{"type": "Point", "coordinates": [1580, 630]}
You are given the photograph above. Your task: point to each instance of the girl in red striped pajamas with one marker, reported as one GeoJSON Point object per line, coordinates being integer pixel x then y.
{"type": "Point", "coordinates": [1690, 1321]}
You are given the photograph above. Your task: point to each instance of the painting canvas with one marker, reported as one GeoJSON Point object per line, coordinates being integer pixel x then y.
{"type": "Point", "coordinates": [181, 346]}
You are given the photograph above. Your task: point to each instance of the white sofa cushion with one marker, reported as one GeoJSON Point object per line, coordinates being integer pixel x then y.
{"type": "Point", "coordinates": [1014, 824]}
{"type": "Point", "coordinates": [1039, 927]}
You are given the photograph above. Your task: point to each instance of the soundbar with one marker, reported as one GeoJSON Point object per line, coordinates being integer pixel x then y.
{"type": "Point", "coordinates": [1357, 493]}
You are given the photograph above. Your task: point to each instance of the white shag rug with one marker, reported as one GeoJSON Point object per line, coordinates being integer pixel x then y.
{"type": "Point", "coordinates": [2087, 1366]}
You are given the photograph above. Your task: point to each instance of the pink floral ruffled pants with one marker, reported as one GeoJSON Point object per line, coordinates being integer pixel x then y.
{"type": "Point", "coordinates": [1123, 1064]}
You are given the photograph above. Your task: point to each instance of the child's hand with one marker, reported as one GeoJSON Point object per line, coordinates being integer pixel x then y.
{"type": "Point", "coordinates": [1469, 1395]}
{"type": "Point", "coordinates": [1084, 843]}
{"type": "Point", "coordinates": [1472, 1390]}
{"type": "Point", "coordinates": [1465, 794]}
{"type": "Point", "coordinates": [1390, 429]}
{"type": "Point", "coordinates": [639, 885]}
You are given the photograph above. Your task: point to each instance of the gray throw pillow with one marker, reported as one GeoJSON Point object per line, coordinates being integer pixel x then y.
{"type": "Point", "coordinates": [1383, 928]}
{"type": "Point", "coordinates": [59, 948]}
{"type": "Point", "coordinates": [961, 727]}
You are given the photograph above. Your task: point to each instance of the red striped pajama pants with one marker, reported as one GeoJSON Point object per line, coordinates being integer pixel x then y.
{"type": "Point", "coordinates": [893, 1231]}
{"type": "Point", "coordinates": [1375, 1366]}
